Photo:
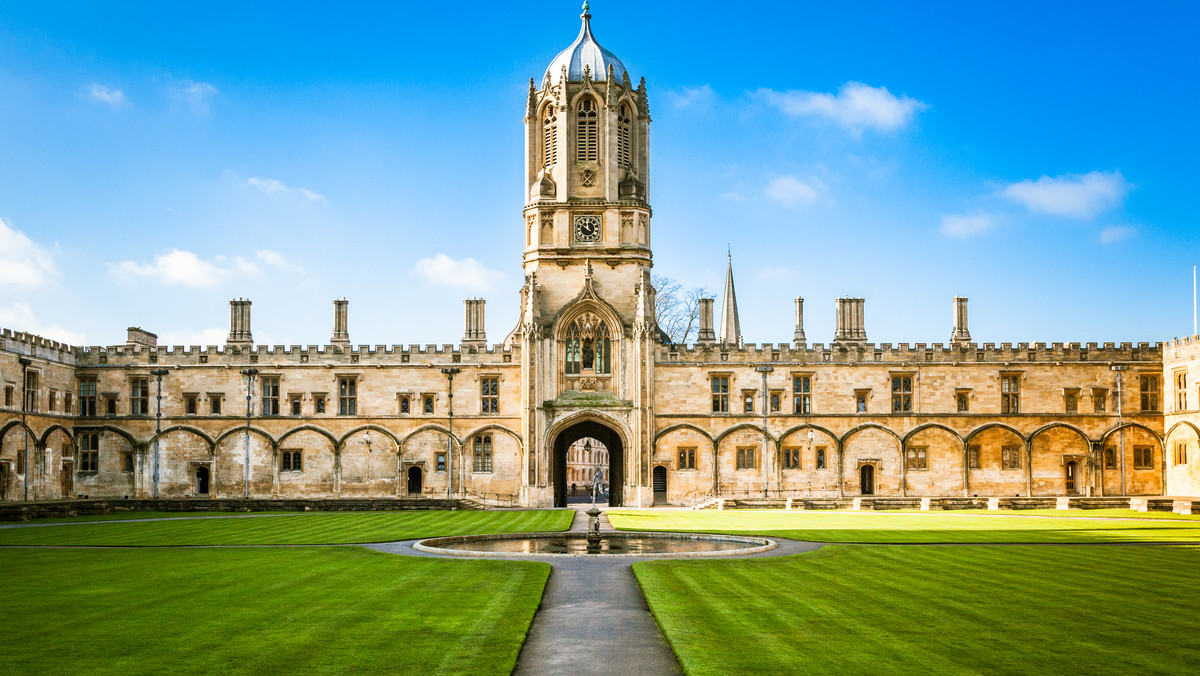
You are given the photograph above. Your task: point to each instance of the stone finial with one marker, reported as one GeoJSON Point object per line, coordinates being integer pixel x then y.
{"type": "Point", "coordinates": [531, 102]}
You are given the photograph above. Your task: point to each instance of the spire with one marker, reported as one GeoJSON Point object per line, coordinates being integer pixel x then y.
{"type": "Point", "coordinates": [731, 329]}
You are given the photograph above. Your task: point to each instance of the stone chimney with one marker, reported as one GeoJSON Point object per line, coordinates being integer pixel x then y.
{"type": "Point", "coordinates": [960, 335]}
{"type": "Point", "coordinates": [850, 327]}
{"type": "Point", "coordinates": [140, 337]}
{"type": "Point", "coordinates": [706, 335]}
{"type": "Point", "coordinates": [474, 334]}
{"type": "Point", "coordinates": [239, 324]}
{"type": "Point", "coordinates": [799, 340]}
{"type": "Point", "coordinates": [341, 323]}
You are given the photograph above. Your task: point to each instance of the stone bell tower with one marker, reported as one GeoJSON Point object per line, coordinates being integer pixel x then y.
{"type": "Point", "coordinates": [587, 169]}
{"type": "Point", "coordinates": [587, 326]}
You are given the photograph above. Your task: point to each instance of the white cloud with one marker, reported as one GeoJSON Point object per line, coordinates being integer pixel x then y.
{"type": "Point", "coordinates": [772, 273]}
{"type": "Point", "coordinates": [468, 273]}
{"type": "Point", "coordinates": [691, 97]}
{"type": "Point", "coordinates": [270, 185]}
{"type": "Point", "coordinates": [189, 337]}
{"type": "Point", "coordinates": [184, 268]}
{"type": "Point", "coordinates": [20, 317]}
{"type": "Point", "coordinates": [1078, 196]}
{"type": "Point", "coordinates": [195, 95]}
{"type": "Point", "coordinates": [791, 191]}
{"type": "Point", "coordinates": [855, 106]}
{"type": "Point", "coordinates": [272, 258]}
{"type": "Point", "coordinates": [22, 262]}
{"type": "Point", "coordinates": [1116, 233]}
{"type": "Point", "coordinates": [113, 98]}
{"type": "Point", "coordinates": [967, 225]}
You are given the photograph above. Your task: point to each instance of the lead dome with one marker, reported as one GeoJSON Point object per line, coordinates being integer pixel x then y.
{"type": "Point", "coordinates": [585, 53]}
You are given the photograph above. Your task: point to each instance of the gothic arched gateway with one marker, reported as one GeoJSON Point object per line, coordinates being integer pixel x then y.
{"type": "Point", "coordinates": [616, 458]}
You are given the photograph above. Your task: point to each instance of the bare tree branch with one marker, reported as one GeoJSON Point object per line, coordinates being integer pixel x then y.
{"type": "Point", "coordinates": [677, 308]}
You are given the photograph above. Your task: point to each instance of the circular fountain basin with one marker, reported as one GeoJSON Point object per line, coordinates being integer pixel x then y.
{"type": "Point", "coordinates": [627, 544]}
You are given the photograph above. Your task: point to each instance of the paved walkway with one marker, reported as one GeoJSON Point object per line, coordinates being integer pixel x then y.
{"type": "Point", "coordinates": [593, 618]}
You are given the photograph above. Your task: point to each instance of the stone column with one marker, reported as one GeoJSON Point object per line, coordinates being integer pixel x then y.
{"type": "Point", "coordinates": [341, 333]}
{"type": "Point", "coordinates": [798, 339]}
{"type": "Point", "coordinates": [239, 324]}
{"type": "Point", "coordinates": [473, 323]}
{"type": "Point", "coordinates": [850, 321]}
{"type": "Point", "coordinates": [960, 335]}
{"type": "Point", "coordinates": [706, 335]}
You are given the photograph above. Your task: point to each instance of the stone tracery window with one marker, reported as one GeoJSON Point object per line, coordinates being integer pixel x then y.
{"type": "Point", "coordinates": [588, 346]}
{"type": "Point", "coordinates": [587, 136]}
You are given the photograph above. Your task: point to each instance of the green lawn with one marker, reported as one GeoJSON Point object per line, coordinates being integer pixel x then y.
{"type": "Point", "coordinates": [261, 611]}
{"type": "Point", "coordinates": [122, 516]}
{"type": "Point", "coordinates": [969, 610]}
{"type": "Point", "coordinates": [909, 527]}
{"type": "Point", "coordinates": [302, 529]}
{"type": "Point", "coordinates": [1094, 513]}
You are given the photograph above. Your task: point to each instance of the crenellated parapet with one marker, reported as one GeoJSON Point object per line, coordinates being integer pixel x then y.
{"type": "Point", "coordinates": [32, 345]}
{"type": "Point", "coordinates": [962, 353]}
{"type": "Point", "coordinates": [293, 355]}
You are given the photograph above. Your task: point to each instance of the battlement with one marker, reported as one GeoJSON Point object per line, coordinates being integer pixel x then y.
{"type": "Point", "coordinates": [330, 355]}
{"type": "Point", "coordinates": [960, 353]}
{"type": "Point", "coordinates": [33, 345]}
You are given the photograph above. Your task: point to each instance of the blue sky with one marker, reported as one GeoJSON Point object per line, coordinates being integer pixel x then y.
{"type": "Point", "coordinates": [157, 160]}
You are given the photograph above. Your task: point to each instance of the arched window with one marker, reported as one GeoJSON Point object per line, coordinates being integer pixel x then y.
{"type": "Point", "coordinates": [483, 453]}
{"type": "Point", "coordinates": [625, 138]}
{"type": "Point", "coordinates": [549, 134]}
{"type": "Point", "coordinates": [588, 132]}
{"type": "Point", "coordinates": [588, 346]}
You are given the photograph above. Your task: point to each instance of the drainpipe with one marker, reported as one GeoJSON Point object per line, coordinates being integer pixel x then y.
{"type": "Point", "coordinates": [450, 371]}
{"type": "Point", "coordinates": [1120, 421]}
{"type": "Point", "coordinates": [764, 370]}
{"type": "Point", "coordinates": [25, 362]}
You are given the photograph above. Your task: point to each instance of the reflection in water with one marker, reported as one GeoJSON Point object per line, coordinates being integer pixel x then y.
{"type": "Point", "coordinates": [577, 544]}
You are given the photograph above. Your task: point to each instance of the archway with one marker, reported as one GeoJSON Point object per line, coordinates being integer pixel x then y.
{"type": "Point", "coordinates": [201, 481]}
{"type": "Point", "coordinates": [414, 480]}
{"type": "Point", "coordinates": [867, 479]}
{"type": "Point", "coordinates": [616, 454]}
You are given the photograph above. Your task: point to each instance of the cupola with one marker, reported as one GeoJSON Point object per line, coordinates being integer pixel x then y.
{"type": "Point", "coordinates": [585, 54]}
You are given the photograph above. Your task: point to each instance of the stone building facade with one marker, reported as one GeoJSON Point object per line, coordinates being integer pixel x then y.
{"type": "Point", "coordinates": [586, 360]}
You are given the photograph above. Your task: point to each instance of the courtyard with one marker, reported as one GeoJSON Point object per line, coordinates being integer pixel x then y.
{"type": "Point", "coordinates": [887, 592]}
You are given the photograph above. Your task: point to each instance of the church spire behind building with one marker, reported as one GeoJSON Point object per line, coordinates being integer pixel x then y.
{"type": "Point", "coordinates": [731, 328]}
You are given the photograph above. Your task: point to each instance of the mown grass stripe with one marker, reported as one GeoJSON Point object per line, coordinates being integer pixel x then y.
{"type": "Point", "coordinates": [298, 529]}
{"type": "Point", "coordinates": [927, 528]}
{"type": "Point", "coordinates": [850, 609]}
{"type": "Point", "coordinates": [263, 611]}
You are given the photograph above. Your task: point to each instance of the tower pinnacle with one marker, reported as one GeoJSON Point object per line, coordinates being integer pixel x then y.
{"type": "Point", "coordinates": [731, 329]}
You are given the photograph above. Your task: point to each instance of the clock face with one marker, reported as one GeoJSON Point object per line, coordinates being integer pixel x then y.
{"type": "Point", "coordinates": [587, 228]}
